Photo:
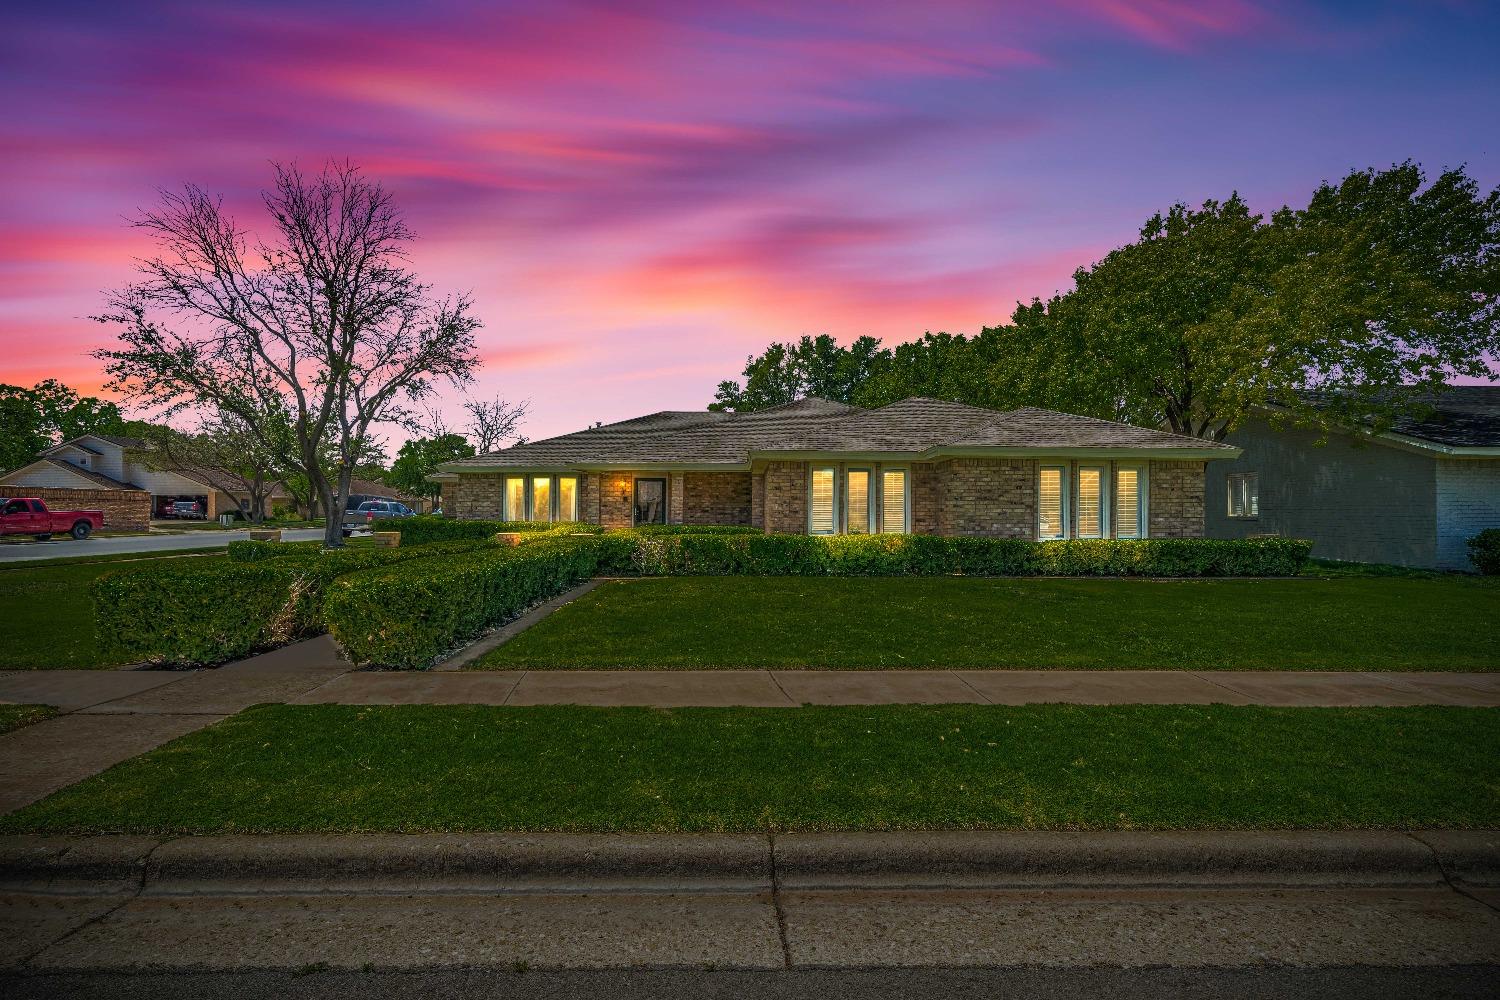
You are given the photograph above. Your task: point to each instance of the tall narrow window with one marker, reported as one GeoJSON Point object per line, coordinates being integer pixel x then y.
{"type": "Point", "coordinates": [857, 510]}
{"type": "Point", "coordinates": [893, 507]}
{"type": "Point", "coordinates": [541, 498]}
{"type": "Point", "coordinates": [1091, 514]}
{"type": "Point", "coordinates": [1052, 502]}
{"type": "Point", "coordinates": [820, 504]}
{"type": "Point", "coordinates": [1244, 494]}
{"type": "Point", "coordinates": [567, 498]}
{"type": "Point", "coordinates": [515, 499]}
{"type": "Point", "coordinates": [1130, 521]}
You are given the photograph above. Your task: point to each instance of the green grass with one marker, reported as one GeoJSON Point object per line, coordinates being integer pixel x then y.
{"type": "Point", "coordinates": [467, 768]}
{"type": "Point", "coordinates": [844, 622]}
{"type": "Point", "coordinates": [16, 716]}
{"type": "Point", "coordinates": [48, 623]}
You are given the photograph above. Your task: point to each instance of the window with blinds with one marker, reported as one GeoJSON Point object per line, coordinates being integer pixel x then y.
{"type": "Point", "coordinates": [820, 504]}
{"type": "Point", "coordinates": [1091, 514]}
{"type": "Point", "coordinates": [1244, 494]}
{"type": "Point", "coordinates": [893, 502]}
{"type": "Point", "coordinates": [515, 500]}
{"type": "Point", "coordinates": [1051, 502]}
{"type": "Point", "coordinates": [541, 498]}
{"type": "Point", "coordinates": [1129, 522]}
{"type": "Point", "coordinates": [857, 503]}
{"type": "Point", "coordinates": [567, 498]}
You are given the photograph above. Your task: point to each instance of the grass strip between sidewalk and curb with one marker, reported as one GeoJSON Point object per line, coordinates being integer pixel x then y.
{"type": "Point", "coordinates": [305, 769]}
{"type": "Point", "coordinates": [16, 716]}
{"type": "Point", "coordinates": [704, 623]}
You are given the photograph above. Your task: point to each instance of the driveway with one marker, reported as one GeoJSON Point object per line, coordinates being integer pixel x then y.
{"type": "Point", "coordinates": [61, 546]}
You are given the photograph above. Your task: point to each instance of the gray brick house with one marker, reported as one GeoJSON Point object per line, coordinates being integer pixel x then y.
{"type": "Point", "coordinates": [1412, 497]}
{"type": "Point", "coordinates": [820, 467]}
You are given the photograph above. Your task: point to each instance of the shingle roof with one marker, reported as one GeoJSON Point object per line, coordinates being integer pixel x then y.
{"type": "Point", "coordinates": [97, 478]}
{"type": "Point", "coordinates": [1461, 416]}
{"type": "Point", "coordinates": [912, 426]}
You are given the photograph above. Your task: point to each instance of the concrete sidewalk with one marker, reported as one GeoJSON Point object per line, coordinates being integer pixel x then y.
{"type": "Point", "coordinates": [788, 688]}
{"type": "Point", "coordinates": [954, 900]}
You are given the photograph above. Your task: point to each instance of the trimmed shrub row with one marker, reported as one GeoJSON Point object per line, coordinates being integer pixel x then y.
{"type": "Point", "coordinates": [421, 530]}
{"type": "Point", "coordinates": [1484, 551]}
{"type": "Point", "coordinates": [931, 555]}
{"type": "Point", "coordinates": [652, 530]}
{"type": "Point", "coordinates": [409, 615]}
{"type": "Point", "coordinates": [207, 612]}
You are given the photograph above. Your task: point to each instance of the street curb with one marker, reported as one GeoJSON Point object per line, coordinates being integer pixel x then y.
{"type": "Point", "coordinates": [324, 863]}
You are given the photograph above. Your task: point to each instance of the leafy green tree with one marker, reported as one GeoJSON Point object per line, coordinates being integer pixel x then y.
{"type": "Point", "coordinates": [420, 457]}
{"type": "Point", "coordinates": [32, 420]}
{"type": "Point", "coordinates": [812, 366]}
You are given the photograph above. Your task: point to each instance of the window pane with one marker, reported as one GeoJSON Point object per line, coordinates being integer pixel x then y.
{"type": "Point", "coordinates": [541, 498]}
{"type": "Point", "coordinates": [1050, 503]}
{"type": "Point", "coordinates": [1244, 494]}
{"type": "Point", "coordinates": [859, 502]}
{"type": "Point", "coordinates": [893, 501]}
{"type": "Point", "coordinates": [820, 505]}
{"type": "Point", "coordinates": [515, 499]}
{"type": "Point", "coordinates": [567, 498]}
{"type": "Point", "coordinates": [1090, 503]}
{"type": "Point", "coordinates": [1128, 503]}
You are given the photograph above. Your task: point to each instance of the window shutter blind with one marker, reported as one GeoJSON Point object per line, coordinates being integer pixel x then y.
{"type": "Point", "coordinates": [1244, 494]}
{"type": "Point", "coordinates": [515, 499]}
{"type": "Point", "coordinates": [1090, 503]}
{"type": "Point", "coordinates": [859, 502]}
{"type": "Point", "coordinates": [567, 498]}
{"type": "Point", "coordinates": [1050, 503]}
{"type": "Point", "coordinates": [1127, 503]}
{"type": "Point", "coordinates": [541, 499]}
{"type": "Point", "coordinates": [820, 508]}
{"type": "Point", "coordinates": [893, 502]}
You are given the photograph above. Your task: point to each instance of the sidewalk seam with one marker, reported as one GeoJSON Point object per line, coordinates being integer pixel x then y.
{"type": "Point", "coordinates": [515, 687]}
{"type": "Point", "coordinates": [777, 908]}
{"type": "Point", "coordinates": [1437, 862]}
{"type": "Point", "coordinates": [1203, 676]}
{"type": "Point", "coordinates": [777, 683]}
{"type": "Point", "coordinates": [984, 699]}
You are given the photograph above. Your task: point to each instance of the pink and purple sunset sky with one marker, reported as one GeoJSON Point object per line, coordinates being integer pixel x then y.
{"type": "Point", "coordinates": [640, 195]}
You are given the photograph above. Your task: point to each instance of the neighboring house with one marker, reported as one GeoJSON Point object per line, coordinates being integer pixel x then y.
{"type": "Point", "coordinates": [820, 467]}
{"type": "Point", "coordinates": [105, 461]}
{"type": "Point", "coordinates": [1412, 496]}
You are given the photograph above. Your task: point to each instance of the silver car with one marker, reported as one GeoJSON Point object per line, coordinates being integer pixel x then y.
{"type": "Point", "coordinates": [367, 513]}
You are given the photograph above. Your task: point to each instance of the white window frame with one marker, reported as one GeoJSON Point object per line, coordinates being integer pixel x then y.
{"type": "Point", "coordinates": [1240, 483]}
{"type": "Point", "coordinates": [879, 514]}
{"type": "Point", "coordinates": [1143, 484]}
{"type": "Point", "coordinates": [528, 494]}
{"type": "Point", "coordinates": [1065, 510]}
{"type": "Point", "coordinates": [1105, 486]}
{"type": "Point", "coordinates": [833, 471]}
{"type": "Point", "coordinates": [557, 510]}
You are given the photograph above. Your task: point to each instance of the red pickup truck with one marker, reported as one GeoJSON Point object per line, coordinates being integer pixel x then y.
{"type": "Point", "coordinates": [29, 516]}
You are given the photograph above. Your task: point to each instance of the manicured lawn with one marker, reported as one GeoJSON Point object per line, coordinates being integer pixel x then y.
{"type": "Point", "coordinates": [48, 622]}
{"type": "Point", "coordinates": [1352, 623]}
{"type": "Point", "coordinates": [424, 768]}
{"type": "Point", "coordinates": [16, 716]}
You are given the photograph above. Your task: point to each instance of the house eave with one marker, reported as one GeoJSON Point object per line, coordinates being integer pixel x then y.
{"type": "Point", "coordinates": [1404, 442]}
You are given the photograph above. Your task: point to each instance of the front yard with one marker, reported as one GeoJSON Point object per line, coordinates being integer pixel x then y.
{"type": "Point", "coordinates": [1042, 767]}
{"type": "Point", "coordinates": [16, 716]}
{"type": "Point", "coordinates": [1351, 623]}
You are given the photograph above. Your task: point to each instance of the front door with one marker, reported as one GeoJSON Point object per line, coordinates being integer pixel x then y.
{"type": "Point", "coordinates": [650, 501]}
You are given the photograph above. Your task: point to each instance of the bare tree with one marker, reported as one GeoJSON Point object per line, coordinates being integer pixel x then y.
{"type": "Point", "coordinates": [325, 320]}
{"type": "Point", "coordinates": [492, 421]}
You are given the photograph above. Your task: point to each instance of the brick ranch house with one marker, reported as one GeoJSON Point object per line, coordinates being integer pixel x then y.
{"type": "Point", "coordinates": [821, 467]}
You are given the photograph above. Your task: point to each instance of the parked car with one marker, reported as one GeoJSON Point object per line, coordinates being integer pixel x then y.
{"type": "Point", "coordinates": [188, 510]}
{"type": "Point", "coordinates": [30, 516]}
{"type": "Point", "coordinates": [367, 513]}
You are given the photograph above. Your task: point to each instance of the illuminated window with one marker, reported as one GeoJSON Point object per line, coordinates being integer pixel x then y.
{"type": "Point", "coordinates": [1052, 502]}
{"type": "Point", "coordinates": [893, 507]}
{"type": "Point", "coordinates": [541, 498]}
{"type": "Point", "coordinates": [567, 498]}
{"type": "Point", "coordinates": [820, 505]}
{"type": "Point", "coordinates": [515, 500]}
{"type": "Point", "coordinates": [1090, 493]}
{"type": "Point", "coordinates": [857, 503]}
{"type": "Point", "coordinates": [1130, 504]}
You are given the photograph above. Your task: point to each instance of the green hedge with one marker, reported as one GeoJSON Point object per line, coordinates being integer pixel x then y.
{"type": "Point", "coordinates": [409, 615]}
{"type": "Point", "coordinates": [651, 530]}
{"type": "Point", "coordinates": [1484, 551]}
{"type": "Point", "coordinates": [931, 555]}
{"type": "Point", "coordinates": [421, 530]}
{"type": "Point", "coordinates": [201, 613]}
{"type": "Point", "coordinates": [253, 551]}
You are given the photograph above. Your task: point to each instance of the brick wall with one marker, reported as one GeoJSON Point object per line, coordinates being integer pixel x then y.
{"type": "Point", "coordinates": [716, 498]}
{"type": "Point", "coordinates": [1176, 500]}
{"type": "Point", "coordinates": [758, 500]}
{"type": "Point", "coordinates": [124, 510]}
{"type": "Point", "coordinates": [924, 498]}
{"type": "Point", "coordinates": [786, 498]}
{"type": "Point", "coordinates": [991, 497]}
{"type": "Point", "coordinates": [589, 497]}
{"type": "Point", "coordinates": [617, 499]}
{"type": "Point", "coordinates": [480, 497]}
{"type": "Point", "coordinates": [450, 498]}
{"type": "Point", "coordinates": [674, 498]}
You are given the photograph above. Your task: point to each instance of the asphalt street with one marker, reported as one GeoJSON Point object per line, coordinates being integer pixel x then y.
{"type": "Point", "coordinates": [63, 547]}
